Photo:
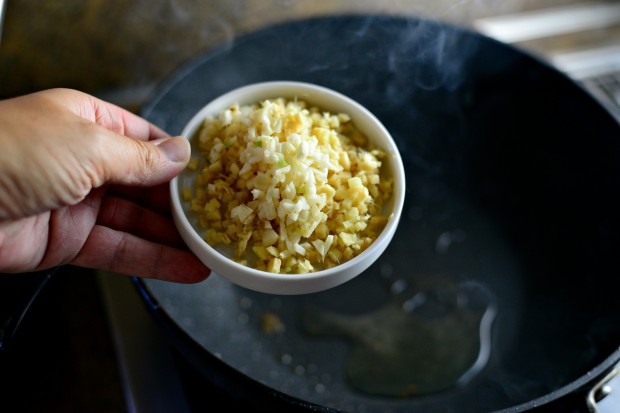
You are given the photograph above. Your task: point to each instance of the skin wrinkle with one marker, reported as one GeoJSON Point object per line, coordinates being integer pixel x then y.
{"type": "Point", "coordinates": [16, 256]}
{"type": "Point", "coordinates": [147, 162]}
{"type": "Point", "coordinates": [150, 161]}
{"type": "Point", "coordinates": [3, 248]}
{"type": "Point", "coordinates": [71, 236]}
{"type": "Point", "coordinates": [83, 108]}
{"type": "Point", "coordinates": [103, 117]}
{"type": "Point", "coordinates": [8, 189]}
{"type": "Point", "coordinates": [40, 221]}
{"type": "Point", "coordinates": [157, 263]}
{"type": "Point", "coordinates": [132, 222]}
{"type": "Point", "coordinates": [74, 235]}
{"type": "Point", "coordinates": [94, 171]}
{"type": "Point", "coordinates": [120, 248]}
{"type": "Point", "coordinates": [108, 211]}
{"type": "Point", "coordinates": [10, 186]}
{"type": "Point", "coordinates": [75, 185]}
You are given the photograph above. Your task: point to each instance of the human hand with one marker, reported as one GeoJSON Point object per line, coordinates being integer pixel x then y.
{"type": "Point", "coordinates": [83, 182]}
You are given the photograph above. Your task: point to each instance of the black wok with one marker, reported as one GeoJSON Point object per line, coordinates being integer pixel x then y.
{"type": "Point", "coordinates": [499, 290]}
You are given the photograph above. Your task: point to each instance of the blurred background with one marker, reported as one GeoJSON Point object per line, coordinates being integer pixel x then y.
{"type": "Point", "coordinates": [65, 356]}
{"type": "Point", "coordinates": [121, 50]}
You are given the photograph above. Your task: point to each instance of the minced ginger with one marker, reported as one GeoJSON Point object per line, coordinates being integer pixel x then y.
{"type": "Point", "coordinates": [287, 187]}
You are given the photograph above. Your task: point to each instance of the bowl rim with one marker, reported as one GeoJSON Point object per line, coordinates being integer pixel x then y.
{"type": "Point", "coordinates": [268, 89]}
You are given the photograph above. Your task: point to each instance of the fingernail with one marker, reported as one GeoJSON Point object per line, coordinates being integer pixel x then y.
{"type": "Point", "coordinates": [175, 149]}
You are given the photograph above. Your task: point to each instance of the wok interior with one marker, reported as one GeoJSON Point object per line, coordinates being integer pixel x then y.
{"type": "Point", "coordinates": [512, 204]}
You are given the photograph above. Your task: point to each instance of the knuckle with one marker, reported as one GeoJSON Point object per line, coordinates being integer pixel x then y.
{"type": "Point", "coordinates": [148, 159]}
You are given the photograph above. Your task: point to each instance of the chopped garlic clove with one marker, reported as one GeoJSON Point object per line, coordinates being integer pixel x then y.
{"type": "Point", "coordinates": [303, 170]}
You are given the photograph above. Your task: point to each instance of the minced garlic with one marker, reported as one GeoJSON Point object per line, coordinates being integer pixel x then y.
{"type": "Point", "coordinates": [290, 188]}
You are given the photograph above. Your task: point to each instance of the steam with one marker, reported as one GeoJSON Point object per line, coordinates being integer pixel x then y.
{"type": "Point", "coordinates": [438, 52]}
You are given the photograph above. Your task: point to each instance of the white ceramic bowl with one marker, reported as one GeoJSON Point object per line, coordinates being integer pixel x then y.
{"type": "Point", "coordinates": [267, 282]}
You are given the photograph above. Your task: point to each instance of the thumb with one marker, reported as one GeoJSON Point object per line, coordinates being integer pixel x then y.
{"type": "Point", "coordinates": [147, 163]}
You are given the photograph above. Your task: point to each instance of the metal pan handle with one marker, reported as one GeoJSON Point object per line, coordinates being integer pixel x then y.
{"type": "Point", "coordinates": [605, 395]}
